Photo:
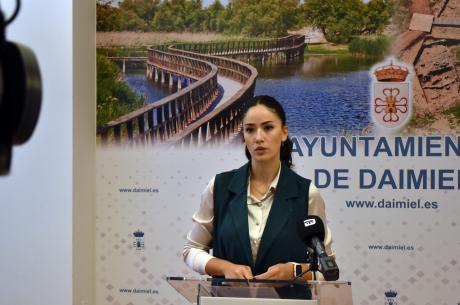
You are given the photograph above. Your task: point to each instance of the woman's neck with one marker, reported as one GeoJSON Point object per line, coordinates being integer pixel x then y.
{"type": "Point", "coordinates": [265, 171]}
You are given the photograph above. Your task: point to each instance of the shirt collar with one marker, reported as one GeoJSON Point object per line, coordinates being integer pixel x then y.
{"type": "Point", "coordinates": [271, 189]}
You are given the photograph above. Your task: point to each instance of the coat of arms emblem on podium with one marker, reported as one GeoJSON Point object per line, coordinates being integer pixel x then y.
{"type": "Point", "coordinates": [390, 297]}
{"type": "Point", "coordinates": [391, 95]}
{"type": "Point", "coordinates": [138, 242]}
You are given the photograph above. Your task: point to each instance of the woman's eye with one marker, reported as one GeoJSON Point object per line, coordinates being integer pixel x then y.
{"type": "Point", "coordinates": [268, 127]}
{"type": "Point", "coordinates": [248, 130]}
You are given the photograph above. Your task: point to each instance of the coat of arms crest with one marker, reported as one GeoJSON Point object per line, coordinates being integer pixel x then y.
{"type": "Point", "coordinates": [391, 96]}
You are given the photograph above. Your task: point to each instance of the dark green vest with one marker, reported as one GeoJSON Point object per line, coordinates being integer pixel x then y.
{"type": "Point", "coordinates": [280, 242]}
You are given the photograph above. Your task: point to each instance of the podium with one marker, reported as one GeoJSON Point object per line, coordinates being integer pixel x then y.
{"type": "Point", "coordinates": [220, 291]}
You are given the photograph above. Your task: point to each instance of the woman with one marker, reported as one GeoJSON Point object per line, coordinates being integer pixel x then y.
{"type": "Point", "coordinates": [249, 216]}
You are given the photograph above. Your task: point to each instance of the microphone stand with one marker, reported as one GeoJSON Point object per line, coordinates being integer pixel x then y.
{"type": "Point", "coordinates": [312, 260]}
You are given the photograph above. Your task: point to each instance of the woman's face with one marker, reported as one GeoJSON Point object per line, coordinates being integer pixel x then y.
{"type": "Point", "coordinates": [263, 133]}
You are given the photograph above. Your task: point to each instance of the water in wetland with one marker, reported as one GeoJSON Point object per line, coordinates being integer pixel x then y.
{"type": "Point", "coordinates": [322, 95]}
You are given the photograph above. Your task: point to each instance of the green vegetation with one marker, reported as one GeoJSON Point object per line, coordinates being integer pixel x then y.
{"type": "Point", "coordinates": [339, 20]}
{"type": "Point", "coordinates": [131, 15]}
{"type": "Point", "coordinates": [326, 50]}
{"type": "Point", "coordinates": [247, 17]}
{"type": "Point", "coordinates": [114, 97]}
{"type": "Point", "coordinates": [375, 46]}
{"type": "Point", "coordinates": [122, 51]}
{"type": "Point", "coordinates": [422, 120]}
{"type": "Point", "coordinates": [456, 52]}
{"type": "Point", "coordinates": [400, 16]}
{"type": "Point", "coordinates": [261, 18]}
{"type": "Point", "coordinates": [454, 110]}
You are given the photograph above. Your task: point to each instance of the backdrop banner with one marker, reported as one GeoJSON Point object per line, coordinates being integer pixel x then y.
{"type": "Point", "coordinates": [374, 120]}
{"type": "Point", "coordinates": [392, 209]}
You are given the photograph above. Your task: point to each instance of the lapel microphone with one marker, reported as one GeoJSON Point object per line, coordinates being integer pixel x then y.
{"type": "Point", "coordinates": [20, 93]}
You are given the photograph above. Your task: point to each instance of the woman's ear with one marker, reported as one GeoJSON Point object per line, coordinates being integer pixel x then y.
{"type": "Point", "coordinates": [285, 131]}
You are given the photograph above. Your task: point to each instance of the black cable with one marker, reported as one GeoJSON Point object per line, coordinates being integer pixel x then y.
{"type": "Point", "coordinates": [303, 273]}
{"type": "Point", "coordinates": [15, 13]}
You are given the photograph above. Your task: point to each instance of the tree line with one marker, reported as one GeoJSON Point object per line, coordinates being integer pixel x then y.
{"type": "Point", "coordinates": [339, 20]}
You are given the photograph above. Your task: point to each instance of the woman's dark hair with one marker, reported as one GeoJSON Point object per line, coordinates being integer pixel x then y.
{"type": "Point", "coordinates": [275, 106]}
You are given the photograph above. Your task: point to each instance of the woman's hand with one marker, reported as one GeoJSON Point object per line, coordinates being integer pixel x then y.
{"type": "Point", "coordinates": [229, 270]}
{"type": "Point", "coordinates": [235, 271]}
{"type": "Point", "coordinates": [283, 271]}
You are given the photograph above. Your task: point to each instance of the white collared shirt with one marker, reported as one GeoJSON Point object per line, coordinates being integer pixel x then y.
{"type": "Point", "coordinates": [258, 210]}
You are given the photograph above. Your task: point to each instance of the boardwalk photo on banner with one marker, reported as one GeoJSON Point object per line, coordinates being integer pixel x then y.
{"type": "Point", "coordinates": [187, 83]}
{"type": "Point", "coordinates": [200, 113]}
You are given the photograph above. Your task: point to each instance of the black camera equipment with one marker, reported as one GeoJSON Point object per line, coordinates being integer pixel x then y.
{"type": "Point", "coordinates": [20, 93]}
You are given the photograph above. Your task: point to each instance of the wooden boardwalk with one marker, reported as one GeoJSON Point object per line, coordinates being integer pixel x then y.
{"type": "Point", "coordinates": [209, 110]}
{"type": "Point", "coordinates": [229, 87]}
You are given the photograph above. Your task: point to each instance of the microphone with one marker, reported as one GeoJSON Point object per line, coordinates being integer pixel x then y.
{"type": "Point", "coordinates": [311, 231]}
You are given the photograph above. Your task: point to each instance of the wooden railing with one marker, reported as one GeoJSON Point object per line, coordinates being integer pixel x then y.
{"type": "Point", "coordinates": [161, 120]}
{"type": "Point", "coordinates": [223, 122]}
{"type": "Point", "coordinates": [239, 47]}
